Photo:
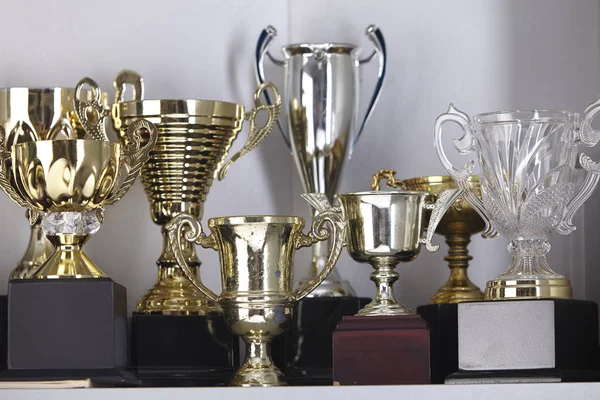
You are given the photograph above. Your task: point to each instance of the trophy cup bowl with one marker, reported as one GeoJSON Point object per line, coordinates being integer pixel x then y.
{"type": "Point", "coordinates": [528, 187]}
{"type": "Point", "coordinates": [194, 137]}
{"type": "Point", "coordinates": [321, 102]}
{"type": "Point", "coordinates": [31, 114]}
{"type": "Point", "coordinates": [257, 298]}
{"type": "Point", "coordinates": [457, 225]}
{"type": "Point", "coordinates": [384, 229]}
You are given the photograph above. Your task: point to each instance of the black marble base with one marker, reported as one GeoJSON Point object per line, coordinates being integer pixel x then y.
{"type": "Point", "coordinates": [443, 326]}
{"type": "Point", "coordinates": [305, 351]}
{"type": "Point", "coordinates": [3, 330]}
{"type": "Point", "coordinates": [67, 329]}
{"type": "Point", "coordinates": [179, 350]}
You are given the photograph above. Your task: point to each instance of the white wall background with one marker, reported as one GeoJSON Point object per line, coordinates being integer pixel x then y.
{"type": "Point", "coordinates": [480, 55]}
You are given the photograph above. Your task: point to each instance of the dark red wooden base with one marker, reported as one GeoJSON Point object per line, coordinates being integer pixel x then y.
{"type": "Point", "coordinates": [381, 351]}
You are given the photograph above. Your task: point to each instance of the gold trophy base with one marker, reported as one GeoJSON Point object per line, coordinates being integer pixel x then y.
{"type": "Point", "coordinates": [69, 260]}
{"type": "Point", "coordinates": [517, 289]}
{"type": "Point", "coordinates": [258, 368]}
{"type": "Point", "coordinates": [457, 290]}
{"type": "Point", "coordinates": [173, 294]}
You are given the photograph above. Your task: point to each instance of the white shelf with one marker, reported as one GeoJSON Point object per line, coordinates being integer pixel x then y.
{"type": "Point", "coordinates": [545, 391]}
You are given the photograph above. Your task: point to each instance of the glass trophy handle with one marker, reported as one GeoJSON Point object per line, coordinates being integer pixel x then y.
{"type": "Point", "coordinates": [134, 154]}
{"type": "Point", "coordinates": [91, 112]}
{"type": "Point", "coordinates": [14, 195]}
{"type": "Point", "coordinates": [318, 233]}
{"type": "Point", "coordinates": [124, 78]}
{"type": "Point", "coordinates": [589, 138]}
{"type": "Point", "coordinates": [464, 146]}
{"type": "Point", "coordinates": [444, 201]}
{"type": "Point", "coordinates": [187, 227]}
{"type": "Point", "coordinates": [257, 133]}
{"type": "Point", "coordinates": [376, 37]}
{"type": "Point", "coordinates": [262, 46]}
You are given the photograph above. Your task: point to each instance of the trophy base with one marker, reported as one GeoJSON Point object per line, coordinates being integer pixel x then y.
{"type": "Point", "coordinates": [305, 350]}
{"type": "Point", "coordinates": [512, 289]}
{"type": "Point", "coordinates": [381, 351]}
{"type": "Point", "coordinates": [98, 377]}
{"type": "Point", "coordinates": [457, 292]}
{"type": "Point", "coordinates": [179, 350]}
{"type": "Point", "coordinates": [3, 330]}
{"type": "Point", "coordinates": [175, 296]}
{"type": "Point", "coordinates": [443, 325]}
{"type": "Point", "coordinates": [329, 288]}
{"type": "Point", "coordinates": [79, 332]}
{"type": "Point", "coordinates": [522, 336]}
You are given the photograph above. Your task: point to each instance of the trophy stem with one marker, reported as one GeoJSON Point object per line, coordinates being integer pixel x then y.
{"type": "Point", "coordinates": [38, 251]}
{"type": "Point", "coordinates": [459, 287]}
{"type": "Point", "coordinates": [529, 275]}
{"type": "Point", "coordinates": [69, 260]}
{"type": "Point", "coordinates": [385, 302]}
{"type": "Point", "coordinates": [173, 293]}
{"type": "Point", "coordinates": [258, 368]}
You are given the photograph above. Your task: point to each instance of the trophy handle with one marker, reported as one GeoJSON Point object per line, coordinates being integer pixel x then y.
{"type": "Point", "coordinates": [391, 181]}
{"type": "Point", "coordinates": [188, 227]}
{"type": "Point", "coordinates": [264, 41]}
{"type": "Point", "coordinates": [5, 157]}
{"type": "Point", "coordinates": [317, 234]}
{"type": "Point", "coordinates": [445, 200]}
{"type": "Point", "coordinates": [376, 37]}
{"type": "Point", "coordinates": [257, 134]}
{"type": "Point", "coordinates": [91, 113]}
{"type": "Point", "coordinates": [589, 138]}
{"type": "Point", "coordinates": [464, 146]}
{"type": "Point", "coordinates": [124, 78]}
{"type": "Point", "coordinates": [134, 154]}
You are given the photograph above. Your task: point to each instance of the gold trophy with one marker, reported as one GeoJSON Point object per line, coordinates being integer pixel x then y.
{"type": "Point", "coordinates": [70, 181]}
{"type": "Point", "coordinates": [28, 114]}
{"type": "Point", "coordinates": [256, 254]}
{"type": "Point", "coordinates": [194, 137]}
{"type": "Point", "coordinates": [457, 225]}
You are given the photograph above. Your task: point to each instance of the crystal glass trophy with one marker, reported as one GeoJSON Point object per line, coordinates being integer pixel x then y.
{"type": "Point", "coordinates": [527, 171]}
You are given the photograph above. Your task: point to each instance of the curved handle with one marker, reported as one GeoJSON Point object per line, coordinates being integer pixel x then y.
{"type": "Point", "coordinates": [257, 134]}
{"type": "Point", "coordinates": [464, 145]}
{"type": "Point", "coordinates": [389, 176]}
{"type": "Point", "coordinates": [188, 227]}
{"type": "Point", "coordinates": [14, 195]}
{"type": "Point", "coordinates": [135, 155]}
{"type": "Point", "coordinates": [264, 41]}
{"type": "Point", "coordinates": [124, 78]}
{"type": "Point", "coordinates": [376, 37]}
{"type": "Point", "coordinates": [589, 138]}
{"type": "Point", "coordinates": [91, 112]}
{"type": "Point", "coordinates": [438, 209]}
{"type": "Point", "coordinates": [317, 234]}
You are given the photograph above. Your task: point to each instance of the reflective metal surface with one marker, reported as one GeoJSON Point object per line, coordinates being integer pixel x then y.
{"type": "Point", "coordinates": [66, 177]}
{"type": "Point", "coordinates": [28, 114]}
{"type": "Point", "coordinates": [458, 224]}
{"type": "Point", "coordinates": [321, 101]}
{"type": "Point", "coordinates": [384, 229]}
{"type": "Point", "coordinates": [194, 137]}
{"type": "Point", "coordinates": [257, 255]}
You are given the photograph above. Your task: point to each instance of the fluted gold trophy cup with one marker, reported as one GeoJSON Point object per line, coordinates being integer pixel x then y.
{"type": "Point", "coordinates": [457, 226]}
{"type": "Point", "coordinates": [68, 183]}
{"type": "Point", "coordinates": [257, 254]}
{"type": "Point", "coordinates": [194, 138]}
{"type": "Point", "coordinates": [32, 114]}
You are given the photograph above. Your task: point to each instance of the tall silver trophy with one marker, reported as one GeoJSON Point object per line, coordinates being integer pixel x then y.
{"type": "Point", "coordinates": [321, 106]}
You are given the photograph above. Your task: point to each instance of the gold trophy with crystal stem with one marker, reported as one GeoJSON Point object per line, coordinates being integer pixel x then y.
{"type": "Point", "coordinates": [69, 182]}
{"type": "Point", "coordinates": [457, 225]}
{"type": "Point", "coordinates": [33, 114]}
{"type": "Point", "coordinates": [194, 137]}
{"type": "Point", "coordinates": [257, 254]}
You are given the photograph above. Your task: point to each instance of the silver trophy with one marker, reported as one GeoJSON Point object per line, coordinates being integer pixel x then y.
{"type": "Point", "coordinates": [321, 102]}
